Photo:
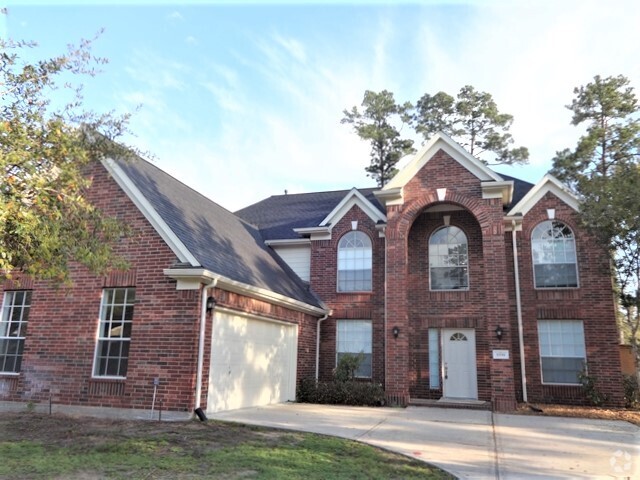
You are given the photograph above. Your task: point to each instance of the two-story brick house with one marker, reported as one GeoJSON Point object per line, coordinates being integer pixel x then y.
{"type": "Point", "coordinates": [453, 281]}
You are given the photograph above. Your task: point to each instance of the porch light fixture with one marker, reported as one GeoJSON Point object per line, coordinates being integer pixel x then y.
{"type": "Point", "coordinates": [211, 303]}
{"type": "Point", "coordinates": [499, 332]}
{"type": "Point", "coordinates": [396, 331]}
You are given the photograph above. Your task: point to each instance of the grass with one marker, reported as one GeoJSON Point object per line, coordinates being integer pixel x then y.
{"type": "Point", "coordinates": [39, 446]}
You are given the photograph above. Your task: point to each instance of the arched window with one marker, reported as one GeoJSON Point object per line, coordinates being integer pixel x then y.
{"type": "Point", "coordinates": [354, 262]}
{"type": "Point", "coordinates": [553, 248]}
{"type": "Point", "coordinates": [448, 259]}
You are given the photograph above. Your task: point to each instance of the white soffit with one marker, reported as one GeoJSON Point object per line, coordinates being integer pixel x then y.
{"type": "Point", "coordinates": [548, 183]}
{"type": "Point", "coordinates": [351, 199]}
{"type": "Point", "coordinates": [150, 213]}
{"type": "Point", "coordinates": [441, 141]}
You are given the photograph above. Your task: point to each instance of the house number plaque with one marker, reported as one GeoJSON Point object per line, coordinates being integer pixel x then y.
{"type": "Point", "coordinates": [501, 354]}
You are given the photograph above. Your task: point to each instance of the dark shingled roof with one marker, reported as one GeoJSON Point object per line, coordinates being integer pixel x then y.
{"type": "Point", "coordinates": [278, 215]}
{"type": "Point", "coordinates": [222, 242]}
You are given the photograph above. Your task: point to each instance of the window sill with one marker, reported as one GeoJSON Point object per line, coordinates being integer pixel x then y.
{"type": "Point", "coordinates": [9, 374]}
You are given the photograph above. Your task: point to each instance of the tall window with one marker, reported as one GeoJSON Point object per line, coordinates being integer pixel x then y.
{"type": "Point", "coordinates": [553, 248]}
{"type": "Point", "coordinates": [114, 336]}
{"type": "Point", "coordinates": [562, 351]}
{"type": "Point", "coordinates": [355, 337]}
{"type": "Point", "coordinates": [448, 259]}
{"type": "Point", "coordinates": [354, 262]}
{"type": "Point", "coordinates": [13, 329]}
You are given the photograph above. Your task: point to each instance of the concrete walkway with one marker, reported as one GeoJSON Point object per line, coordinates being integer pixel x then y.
{"type": "Point", "coordinates": [471, 443]}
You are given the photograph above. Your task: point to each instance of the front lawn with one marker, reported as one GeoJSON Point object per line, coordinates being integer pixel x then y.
{"type": "Point", "coordinates": [36, 446]}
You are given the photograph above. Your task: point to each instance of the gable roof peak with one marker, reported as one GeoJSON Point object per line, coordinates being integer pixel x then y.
{"type": "Point", "coordinates": [442, 141]}
{"type": "Point", "coordinates": [352, 198]}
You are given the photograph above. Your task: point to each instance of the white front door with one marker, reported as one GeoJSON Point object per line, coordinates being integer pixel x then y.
{"type": "Point", "coordinates": [459, 363]}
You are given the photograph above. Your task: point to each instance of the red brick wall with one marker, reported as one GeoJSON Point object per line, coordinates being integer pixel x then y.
{"type": "Point", "coordinates": [360, 305]}
{"type": "Point", "coordinates": [60, 342]}
{"type": "Point", "coordinates": [415, 309]}
{"type": "Point", "coordinates": [592, 302]}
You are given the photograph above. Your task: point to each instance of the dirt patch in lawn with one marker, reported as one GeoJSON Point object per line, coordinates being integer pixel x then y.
{"type": "Point", "coordinates": [631, 416]}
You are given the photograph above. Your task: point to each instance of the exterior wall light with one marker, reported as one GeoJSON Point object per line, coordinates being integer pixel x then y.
{"type": "Point", "coordinates": [396, 331]}
{"type": "Point", "coordinates": [211, 303]}
{"type": "Point", "coordinates": [499, 332]}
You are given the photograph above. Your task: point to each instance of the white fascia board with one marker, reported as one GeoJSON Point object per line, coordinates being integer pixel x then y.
{"type": "Point", "coordinates": [354, 197]}
{"type": "Point", "coordinates": [391, 196]}
{"type": "Point", "coordinates": [151, 214]}
{"type": "Point", "coordinates": [196, 276]}
{"type": "Point", "coordinates": [503, 190]}
{"type": "Point", "coordinates": [288, 242]}
{"type": "Point", "coordinates": [548, 183]}
{"type": "Point", "coordinates": [315, 233]}
{"type": "Point", "coordinates": [452, 148]}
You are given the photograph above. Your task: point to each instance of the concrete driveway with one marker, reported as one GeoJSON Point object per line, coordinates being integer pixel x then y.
{"type": "Point", "coordinates": [471, 443]}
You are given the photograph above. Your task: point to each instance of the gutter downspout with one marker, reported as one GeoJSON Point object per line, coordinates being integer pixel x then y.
{"type": "Point", "coordinates": [320, 320]}
{"type": "Point", "coordinates": [384, 337]}
{"type": "Point", "coordinates": [203, 324]}
{"type": "Point", "coordinates": [523, 373]}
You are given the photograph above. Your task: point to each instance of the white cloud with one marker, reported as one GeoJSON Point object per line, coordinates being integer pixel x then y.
{"type": "Point", "coordinates": [191, 40]}
{"type": "Point", "coordinates": [175, 16]}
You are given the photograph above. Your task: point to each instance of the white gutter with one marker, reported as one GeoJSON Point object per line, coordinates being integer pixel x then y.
{"type": "Point", "coordinates": [516, 272]}
{"type": "Point", "coordinates": [203, 324]}
{"type": "Point", "coordinates": [320, 320]}
{"type": "Point", "coordinates": [191, 278]}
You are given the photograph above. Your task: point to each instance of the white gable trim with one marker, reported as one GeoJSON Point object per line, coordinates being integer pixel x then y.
{"type": "Point", "coordinates": [171, 239]}
{"type": "Point", "coordinates": [351, 199]}
{"type": "Point", "coordinates": [457, 152]}
{"type": "Point", "coordinates": [548, 183]}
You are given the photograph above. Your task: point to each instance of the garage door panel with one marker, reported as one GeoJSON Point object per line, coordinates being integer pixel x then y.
{"type": "Point", "coordinates": [253, 362]}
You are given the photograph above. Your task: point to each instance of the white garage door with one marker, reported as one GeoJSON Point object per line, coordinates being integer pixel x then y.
{"type": "Point", "coordinates": [253, 362]}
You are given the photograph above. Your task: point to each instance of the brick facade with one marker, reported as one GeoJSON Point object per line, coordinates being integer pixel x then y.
{"type": "Point", "coordinates": [60, 341]}
{"type": "Point", "coordinates": [489, 302]}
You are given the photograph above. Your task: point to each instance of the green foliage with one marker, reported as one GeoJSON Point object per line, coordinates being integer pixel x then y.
{"type": "Point", "coordinates": [591, 390]}
{"type": "Point", "coordinates": [473, 120]}
{"type": "Point", "coordinates": [341, 393]}
{"type": "Point", "coordinates": [375, 123]}
{"type": "Point", "coordinates": [347, 367]}
{"type": "Point", "coordinates": [45, 218]}
{"type": "Point", "coordinates": [338, 392]}
{"type": "Point", "coordinates": [631, 391]}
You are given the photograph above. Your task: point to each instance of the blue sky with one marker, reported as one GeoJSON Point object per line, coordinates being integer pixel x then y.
{"type": "Point", "coordinates": [243, 100]}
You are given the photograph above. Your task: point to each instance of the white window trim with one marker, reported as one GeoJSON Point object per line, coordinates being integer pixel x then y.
{"type": "Point", "coordinates": [370, 322]}
{"type": "Point", "coordinates": [556, 384]}
{"type": "Point", "coordinates": [99, 339]}
{"type": "Point", "coordinates": [24, 339]}
{"type": "Point", "coordinates": [465, 289]}
{"type": "Point", "coordinates": [338, 264]}
{"type": "Point", "coordinates": [533, 264]}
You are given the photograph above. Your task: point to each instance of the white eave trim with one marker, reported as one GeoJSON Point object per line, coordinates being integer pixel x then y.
{"type": "Point", "coordinates": [351, 199]}
{"type": "Point", "coordinates": [503, 190]}
{"type": "Point", "coordinates": [288, 242]}
{"type": "Point", "coordinates": [151, 214]}
{"type": "Point", "coordinates": [194, 277]}
{"type": "Point", "coordinates": [548, 183]}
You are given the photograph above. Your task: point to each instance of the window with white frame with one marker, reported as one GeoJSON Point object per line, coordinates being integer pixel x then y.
{"type": "Point", "coordinates": [13, 329]}
{"type": "Point", "coordinates": [448, 259]}
{"type": "Point", "coordinates": [562, 350]}
{"type": "Point", "coordinates": [355, 337]}
{"type": "Point", "coordinates": [553, 249]}
{"type": "Point", "coordinates": [354, 262]}
{"type": "Point", "coordinates": [114, 335]}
